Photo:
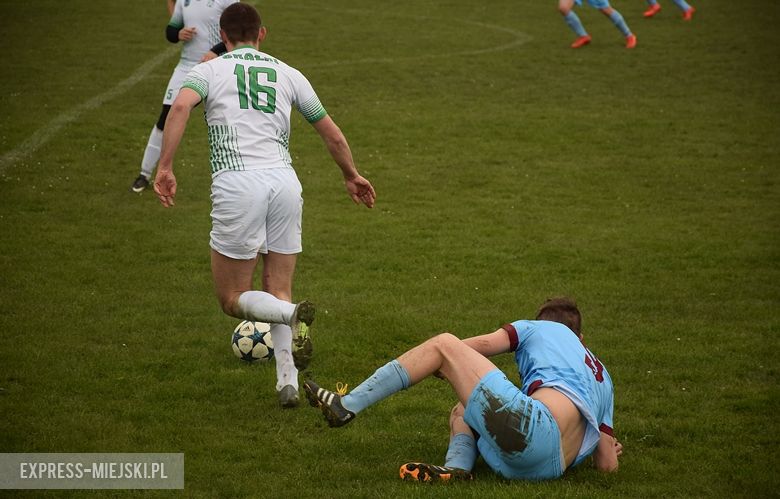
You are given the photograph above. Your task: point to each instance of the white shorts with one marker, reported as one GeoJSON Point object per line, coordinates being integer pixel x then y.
{"type": "Point", "coordinates": [174, 84]}
{"type": "Point", "coordinates": [256, 211]}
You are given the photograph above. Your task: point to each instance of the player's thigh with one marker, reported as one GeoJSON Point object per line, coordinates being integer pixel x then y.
{"type": "Point", "coordinates": [175, 82]}
{"type": "Point", "coordinates": [285, 212]}
{"type": "Point", "coordinates": [463, 366]}
{"type": "Point", "coordinates": [278, 271]}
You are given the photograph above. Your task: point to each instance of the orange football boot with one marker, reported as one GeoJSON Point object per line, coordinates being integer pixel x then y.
{"type": "Point", "coordinates": [653, 10]}
{"type": "Point", "coordinates": [630, 41]}
{"type": "Point", "coordinates": [581, 42]}
{"type": "Point", "coordinates": [422, 472]}
{"type": "Point", "coordinates": [688, 14]}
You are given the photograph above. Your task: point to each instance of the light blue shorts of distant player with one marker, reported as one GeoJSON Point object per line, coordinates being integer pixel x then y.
{"type": "Point", "coordinates": [596, 4]}
{"type": "Point", "coordinates": [518, 437]}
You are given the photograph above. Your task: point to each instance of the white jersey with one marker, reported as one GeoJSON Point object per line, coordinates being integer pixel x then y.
{"type": "Point", "coordinates": [248, 99]}
{"type": "Point", "coordinates": [203, 15]}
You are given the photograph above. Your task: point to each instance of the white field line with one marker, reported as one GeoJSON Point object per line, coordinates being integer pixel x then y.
{"type": "Point", "coordinates": [43, 135]}
{"type": "Point", "coordinates": [519, 38]}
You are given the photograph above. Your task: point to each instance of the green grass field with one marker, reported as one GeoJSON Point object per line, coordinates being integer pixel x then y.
{"type": "Point", "coordinates": [509, 168]}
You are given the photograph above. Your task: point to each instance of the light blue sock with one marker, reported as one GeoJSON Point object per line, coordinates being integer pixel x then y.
{"type": "Point", "coordinates": [684, 6]}
{"type": "Point", "coordinates": [574, 23]}
{"type": "Point", "coordinates": [387, 380]}
{"type": "Point", "coordinates": [462, 452]}
{"type": "Point", "coordinates": [618, 21]}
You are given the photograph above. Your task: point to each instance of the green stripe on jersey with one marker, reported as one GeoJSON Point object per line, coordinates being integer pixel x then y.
{"type": "Point", "coordinates": [223, 144]}
{"type": "Point", "coordinates": [198, 84]}
{"type": "Point", "coordinates": [312, 110]}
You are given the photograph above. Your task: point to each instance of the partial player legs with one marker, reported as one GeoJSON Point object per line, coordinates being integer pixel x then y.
{"type": "Point", "coordinates": [447, 355]}
{"type": "Point", "coordinates": [653, 8]}
{"type": "Point", "coordinates": [152, 152]}
{"type": "Point", "coordinates": [573, 21]}
{"type": "Point", "coordinates": [620, 24]}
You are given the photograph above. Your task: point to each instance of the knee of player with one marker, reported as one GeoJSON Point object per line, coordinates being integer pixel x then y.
{"type": "Point", "coordinates": [446, 339]}
{"type": "Point", "coordinates": [565, 6]}
{"type": "Point", "coordinates": [229, 304]}
{"type": "Point", "coordinates": [447, 343]}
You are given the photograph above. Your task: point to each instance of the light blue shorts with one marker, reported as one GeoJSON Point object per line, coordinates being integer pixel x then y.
{"type": "Point", "coordinates": [518, 437]}
{"type": "Point", "coordinates": [596, 4]}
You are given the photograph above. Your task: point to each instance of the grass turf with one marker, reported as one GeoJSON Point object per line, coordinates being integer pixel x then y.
{"type": "Point", "coordinates": [509, 168]}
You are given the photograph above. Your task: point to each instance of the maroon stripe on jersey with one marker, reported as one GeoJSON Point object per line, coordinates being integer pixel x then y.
{"type": "Point", "coordinates": [512, 333]}
{"type": "Point", "coordinates": [606, 429]}
{"type": "Point", "coordinates": [534, 386]}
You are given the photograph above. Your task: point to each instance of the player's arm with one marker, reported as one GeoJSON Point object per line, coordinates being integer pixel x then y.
{"type": "Point", "coordinates": [174, 34]}
{"type": "Point", "coordinates": [491, 343]}
{"type": "Point", "coordinates": [175, 124]}
{"type": "Point", "coordinates": [359, 188]}
{"type": "Point", "coordinates": [214, 52]}
{"type": "Point", "coordinates": [605, 458]}
{"type": "Point", "coordinates": [175, 30]}
{"type": "Point", "coordinates": [171, 5]}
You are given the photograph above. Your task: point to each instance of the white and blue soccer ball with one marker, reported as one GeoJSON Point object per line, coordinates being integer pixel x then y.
{"type": "Point", "coordinates": [252, 341]}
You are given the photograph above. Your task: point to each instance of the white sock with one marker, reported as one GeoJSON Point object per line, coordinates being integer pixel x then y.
{"type": "Point", "coordinates": [286, 373]}
{"type": "Point", "coordinates": [265, 307]}
{"type": "Point", "coordinates": [152, 153]}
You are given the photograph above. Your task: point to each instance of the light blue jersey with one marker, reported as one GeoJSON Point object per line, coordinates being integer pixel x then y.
{"type": "Point", "coordinates": [550, 355]}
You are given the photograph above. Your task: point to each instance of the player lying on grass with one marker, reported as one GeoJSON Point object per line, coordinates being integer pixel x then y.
{"type": "Point", "coordinates": [257, 199]}
{"type": "Point", "coordinates": [562, 415]}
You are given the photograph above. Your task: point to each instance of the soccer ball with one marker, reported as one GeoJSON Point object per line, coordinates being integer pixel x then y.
{"type": "Point", "coordinates": [252, 341]}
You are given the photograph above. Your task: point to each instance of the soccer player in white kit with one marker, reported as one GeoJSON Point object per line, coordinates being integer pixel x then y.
{"type": "Point", "coordinates": [256, 195]}
{"type": "Point", "coordinates": [196, 24]}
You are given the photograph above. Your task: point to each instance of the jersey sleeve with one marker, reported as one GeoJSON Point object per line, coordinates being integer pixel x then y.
{"type": "Point", "coordinates": [177, 19]}
{"type": "Point", "coordinates": [517, 331]}
{"type": "Point", "coordinates": [605, 425]}
{"type": "Point", "coordinates": [306, 100]}
{"type": "Point", "coordinates": [198, 80]}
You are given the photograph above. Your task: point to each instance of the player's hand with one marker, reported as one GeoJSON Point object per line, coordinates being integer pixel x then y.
{"type": "Point", "coordinates": [618, 448]}
{"type": "Point", "coordinates": [186, 34]}
{"type": "Point", "coordinates": [208, 56]}
{"type": "Point", "coordinates": [165, 187]}
{"type": "Point", "coordinates": [361, 191]}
